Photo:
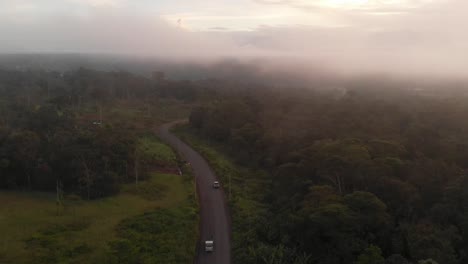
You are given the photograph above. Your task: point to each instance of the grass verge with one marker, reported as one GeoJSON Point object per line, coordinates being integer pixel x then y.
{"type": "Point", "coordinates": [152, 149]}
{"type": "Point", "coordinates": [154, 222]}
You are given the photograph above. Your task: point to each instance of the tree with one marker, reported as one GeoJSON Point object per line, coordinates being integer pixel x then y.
{"type": "Point", "coordinates": [320, 195]}
{"type": "Point", "coordinates": [371, 255]}
{"type": "Point", "coordinates": [428, 241]}
{"type": "Point", "coordinates": [428, 261]}
{"type": "Point", "coordinates": [396, 259]}
{"type": "Point", "coordinates": [371, 212]}
{"type": "Point", "coordinates": [24, 146]}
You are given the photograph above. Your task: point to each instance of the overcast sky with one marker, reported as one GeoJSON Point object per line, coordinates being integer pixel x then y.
{"type": "Point", "coordinates": [425, 36]}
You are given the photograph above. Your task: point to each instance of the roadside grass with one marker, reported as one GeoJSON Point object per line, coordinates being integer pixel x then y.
{"type": "Point", "coordinates": [247, 190]}
{"type": "Point", "coordinates": [35, 230]}
{"type": "Point", "coordinates": [166, 235]}
{"type": "Point", "coordinates": [152, 149]}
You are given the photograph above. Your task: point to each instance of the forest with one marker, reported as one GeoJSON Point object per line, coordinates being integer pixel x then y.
{"type": "Point", "coordinates": [370, 173]}
{"type": "Point", "coordinates": [53, 136]}
{"type": "Point", "coordinates": [83, 176]}
{"type": "Point", "coordinates": [367, 174]}
{"type": "Point", "coordinates": [234, 132]}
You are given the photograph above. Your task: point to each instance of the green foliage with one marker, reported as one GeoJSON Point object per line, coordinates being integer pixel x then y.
{"type": "Point", "coordinates": [427, 261]}
{"type": "Point", "coordinates": [371, 255]}
{"type": "Point", "coordinates": [49, 136]}
{"type": "Point", "coordinates": [427, 241]}
{"type": "Point", "coordinates": [320, 195]}
{"type": "Point", "coordinates": [396, 259]}
{"type": "Point", "coordinates": [364, 168]}
{"type": "Point", "coordinates": [162, 236]}
{"type": "Point", "coordinates": [51, 246]}
{"type": "Point", "coordinates": [150, 191]}
{"type": "Point", "coordinates": [267, 254]}
{"type": "Point", "coordinates": [311, 172]}
{"type": "Point", "coordinates": [370, 211]}
{"type": "Point", "coordinates": [153, 150]}
{"type": "Point", "coordinates": [53, 230]}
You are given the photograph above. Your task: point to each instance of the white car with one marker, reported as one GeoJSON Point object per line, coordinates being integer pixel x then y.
{"type": "Point", "coordinates": [216, 184]}
{"type": "Point", "coordinates": [209, 245]}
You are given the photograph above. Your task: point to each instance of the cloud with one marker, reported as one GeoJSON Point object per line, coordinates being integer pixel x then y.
{"type": "Point", "coordinates": [342, 7]}
{"type": "Point", "coordinates": [427, 39]}
{"type": "Point", "coordinates": [100, 3]}
{"type": "Point", "coordinates": [111, 31]}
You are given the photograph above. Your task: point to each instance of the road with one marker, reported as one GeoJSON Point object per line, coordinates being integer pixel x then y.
{"type": "Point", "coordinates": [214, 213]}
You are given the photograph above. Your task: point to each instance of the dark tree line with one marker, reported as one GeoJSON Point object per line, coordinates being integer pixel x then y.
{"type": "Point", "coordinates": [46, 148]}
{"type": "Point", "coordinates": [365, 176]}
{"type": "Point", "coordinates": [45, 142]}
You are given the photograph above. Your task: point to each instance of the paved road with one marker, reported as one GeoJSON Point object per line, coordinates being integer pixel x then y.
{"type": "Point", "coordinates": [214, 215]}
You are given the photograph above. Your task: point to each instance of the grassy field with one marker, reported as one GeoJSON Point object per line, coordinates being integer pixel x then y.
{"type": "Point", "coordinates": [246, 190]}
{"type": "Point", "coordinates": [34, 229]}
{"type": "Point", "coordinates": [166, 235]}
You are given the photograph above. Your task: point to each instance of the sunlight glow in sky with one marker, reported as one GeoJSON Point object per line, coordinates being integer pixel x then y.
{"type": "Point", "coordinates": [220, 14]}
{"type": "Point", "coordinates": [345, 3]}
{"type": "Point", "coordinates": [401, 35]}
{"type": "Point", "coordinates": [248, 15]}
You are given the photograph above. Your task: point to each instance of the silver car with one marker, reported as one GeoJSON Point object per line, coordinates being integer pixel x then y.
{"type": "Point", "coordinates": [209, 245]}
{"type": "Point", "coordinates": [216, 184]}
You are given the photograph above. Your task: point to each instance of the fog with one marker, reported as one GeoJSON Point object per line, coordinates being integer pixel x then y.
{"type": "Point", "coordinates": [412, 38]}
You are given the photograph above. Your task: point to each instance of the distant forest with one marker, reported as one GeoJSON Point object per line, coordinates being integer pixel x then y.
{"type": "Point", "coordinates": [367, 174]}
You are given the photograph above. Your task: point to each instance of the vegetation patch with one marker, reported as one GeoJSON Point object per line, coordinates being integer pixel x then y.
{"type": "Point", "coordinates": [36, 230]}
{"type": "Point", "coordinates": [161, 236]}
{"type": "Point", "coordinates": [150, 191]}
{"type": "Point", "coordinates": [56, 244]}
{"type": "Point", "coordinates": [153, 150]}
{"type": "Point", "coordinates": [371, 176]}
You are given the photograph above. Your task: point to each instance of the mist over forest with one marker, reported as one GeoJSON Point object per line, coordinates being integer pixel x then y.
{"type": "Point", "coordinates": [259, 71]}
{"type": "Point", "coordinates": [234, 131]}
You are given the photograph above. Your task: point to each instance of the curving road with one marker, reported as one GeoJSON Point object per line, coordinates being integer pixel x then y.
{"type": "Point", "coordinates": [214, 215]}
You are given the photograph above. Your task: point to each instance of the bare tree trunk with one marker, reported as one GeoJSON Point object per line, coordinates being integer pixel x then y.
{"type": "Point", "coordinates": [28, 174]}
{"type": "Point", "coordinates": [57, 189]}
{"type": "Point", "coordinates": [333, 181]}
{"type": "Point", "coordinates": [3, 116]}
{"type": "Point", "coordinates": [29, 180]}
{"type": "Point", "coordinates": [88, 177]}
{"type": "Point", "coordinates": [79, 102]}
{"type": "Point", "coordinates": [136, 167]}
{"type": "Point", "coordinates": [126, 170]}
{"type": "Point", "coordinates": [59, 200]}
{"type": "Point", "coordinates": [339, 181]}
{"type": "Point", "coordinates": [148, 109]}
{"type": "Point", "coordinates": [106, 163]}
{"type": "Point", "coordinates": [100, 114]}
